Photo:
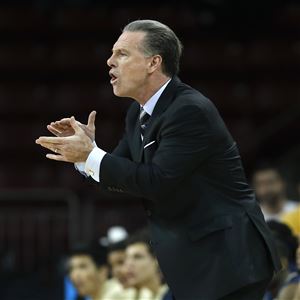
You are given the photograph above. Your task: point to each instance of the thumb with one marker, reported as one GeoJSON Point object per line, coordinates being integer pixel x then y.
{"type": "Point", "coordinates": [75, 125]}
{"type": "Point", "coordinates": [91, 120]}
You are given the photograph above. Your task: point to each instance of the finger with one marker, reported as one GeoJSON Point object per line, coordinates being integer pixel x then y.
{"type": "Point", "coordinates": [91, 119]}
{"type": "Point", "coordinates": [75, 125]}
{"type": "Point", "coordinates": [60, 126]}
{"type": "Point", "coordinates": [64, 121]}
{"type": "Point", "coordinates": [51, 140]}
{"type": "Point", "coordinates": [52, 147]}
{"type": "Point", "coordinates": [57, 157]}
{"type": "Point", "coordinates": [53, 130]}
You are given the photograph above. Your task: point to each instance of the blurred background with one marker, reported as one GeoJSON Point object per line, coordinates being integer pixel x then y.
{"type": "Point", "coordinates": [243, 55]}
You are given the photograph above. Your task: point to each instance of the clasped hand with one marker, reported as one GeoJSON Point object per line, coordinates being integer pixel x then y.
{"type": "Point", "coordinates": [73, 141]}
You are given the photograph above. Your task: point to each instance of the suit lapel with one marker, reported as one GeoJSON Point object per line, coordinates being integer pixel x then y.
{"type": "Point", "coordinates": [136, 139]}
{"type": "Point", "coordinates": [163, 102]}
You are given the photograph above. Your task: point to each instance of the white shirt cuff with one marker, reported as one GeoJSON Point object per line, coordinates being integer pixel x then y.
{"type": "Point", "coordinates": [80, 166]}
{"type": "Point", "coordinates": [93, 162]}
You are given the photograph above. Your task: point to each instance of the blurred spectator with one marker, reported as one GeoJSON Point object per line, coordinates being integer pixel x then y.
{"type": "Point", "coordinates": [284, 234]}
{"type": "Point", "coordinates": [143, 271]}
{"type": "Point", "coordinates": [116, 261]}
{"type": "Point", "coordinates": [292, 219]}
{"type": "Point", "coordinates": [270, 189]}
{"type": "Point", "coordinates": [297, 293]}
{"type": "Point", "coordinates": [88, 271]}
{"type": "Point", "coordinates": [284, 277]}
{"type": "Point", "coordinates": [291, 289]}
{"type": "Point", "coordinates": [119, 288]}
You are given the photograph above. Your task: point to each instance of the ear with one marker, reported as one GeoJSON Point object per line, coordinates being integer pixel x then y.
{"type": "Point", "coordinates": [154, 63]}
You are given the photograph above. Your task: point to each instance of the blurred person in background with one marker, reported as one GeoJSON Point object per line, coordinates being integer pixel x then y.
{"type": "Point", "coordinates": [88, 271]}
{"type": "Point", "coordinates": [284, 234]}
{"type": "Point", "coordinates": [291, 289]}
{"type": "Point", "coordinates": [116, 260]}
{"type": "Point", "coordinates": [178, 155]}
{"type": "Point", "coordinates": [119, 288]}
{"type": "Point", "coordinates": [143, 272]}
{"type": "Point", "coordinates": [270, 190]}
{"type": "Point", "coordinates": [297, 293]}
{"type": "Point", "coordinates": [115, 241]}
{"type": "Point", "coordinates": [277, 288]}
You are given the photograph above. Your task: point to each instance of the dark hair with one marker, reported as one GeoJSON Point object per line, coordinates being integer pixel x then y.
{"type": "Point", "coordinates": [266, 166]}
{"type": "Point", "coordinates": [283, 233]}
{"type": "Point", "coordinates": [282, 248]}
{"type": "Point", "coordinates": [161, 40]}
{"type": "Point", "coordinates": [94, 250]}
{"type": "Point", "coordinates": [141, 236]}
{"type": "Point", "coordinates": [118, 246]}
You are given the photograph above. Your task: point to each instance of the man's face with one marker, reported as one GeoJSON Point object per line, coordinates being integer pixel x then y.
{"type": "Point", "coordinates": [141, 266]}
{"type": "Point", "coordinates": [116, 260]}
{"type": "Point", "coordinates": [128, 65]}
{"type": "Point", "coordinates": [84, 274]}
{"type": "Point", "coordinates": [268, 186]}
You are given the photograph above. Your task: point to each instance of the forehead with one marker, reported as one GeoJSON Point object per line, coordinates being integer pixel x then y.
{"type": "Point", "coordinates": [81, 259]}
{"type": "Point", "coordinates": [116, 254]}
{"type": "Point", "coordinates": [137, 248]}
{"type": "Point", "coordinates": [129, 40]}
{"type": "Point", "coordinates": [269, 173]}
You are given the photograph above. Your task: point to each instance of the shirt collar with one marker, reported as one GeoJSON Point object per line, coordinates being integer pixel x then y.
{"type": "Point", "coordinates": [150, 104]}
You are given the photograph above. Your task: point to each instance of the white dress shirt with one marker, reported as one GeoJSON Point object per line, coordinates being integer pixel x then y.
{"type": "Point", "coordinates": [92, 165]}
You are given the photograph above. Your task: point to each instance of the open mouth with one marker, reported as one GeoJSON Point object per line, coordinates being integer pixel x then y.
{"type": "Point", "coordinates": [113, 78]}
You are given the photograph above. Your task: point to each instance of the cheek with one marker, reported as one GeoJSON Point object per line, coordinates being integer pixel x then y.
{"type": "Point", "coordinates": [133, 73]}
{"type": "Point", "coordinates": [145, 269]}
{"type": "Point", "coordinates": [87, 277]}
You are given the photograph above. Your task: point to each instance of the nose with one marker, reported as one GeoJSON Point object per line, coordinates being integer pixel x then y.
{"type": "Point", "coordinates": [111, 61]}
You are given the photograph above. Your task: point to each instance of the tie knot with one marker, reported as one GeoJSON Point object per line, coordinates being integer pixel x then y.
{"type": "Point", "coordinates": [144, 116]}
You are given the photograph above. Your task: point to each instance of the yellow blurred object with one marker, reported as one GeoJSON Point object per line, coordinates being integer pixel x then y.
{"type": "Point", "coordinates": [292, 219]}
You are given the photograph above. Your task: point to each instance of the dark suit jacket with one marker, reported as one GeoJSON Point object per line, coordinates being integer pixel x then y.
{"type": "Point", "coordinates": [207, 230]}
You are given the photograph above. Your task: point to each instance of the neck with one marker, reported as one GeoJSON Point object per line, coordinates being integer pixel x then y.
{"type": "Point", "coordinates": [275, 208]}
{"type": "Point", "coordinates": [97, 295]}
{"type": "Point", "coordinates": [150, 88]}
{"type": "Point", "coordinates": [153, 285]}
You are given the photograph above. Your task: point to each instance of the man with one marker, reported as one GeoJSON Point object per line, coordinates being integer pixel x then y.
{"type": "Point", "coordinates": [116, 260]}
{"type": "Point", "coordinates": [282, 277]}
{"type": "Point", "coordinates": [178, 155]}
{"type": "Point", "coordinates": [283, 284]}
{"type": "Point", "coordinates": [269, 187]}
{"type": "Point", "coordinates": [143, 273]}
{"type": "Point", "coordinates": [88, 271]}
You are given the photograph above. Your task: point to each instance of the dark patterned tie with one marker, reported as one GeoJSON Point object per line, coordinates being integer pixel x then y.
{"type": "Point", "coordinates": [144, 117]}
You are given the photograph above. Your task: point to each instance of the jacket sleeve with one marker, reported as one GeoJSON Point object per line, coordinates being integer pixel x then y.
{"type": "Point", "coordinates": [184, 143]}
{"type": "Point", "coordinates": [122, 149]}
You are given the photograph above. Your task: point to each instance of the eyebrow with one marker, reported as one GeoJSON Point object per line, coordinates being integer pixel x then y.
{"type": "Point", "coordinates": [119, 49]}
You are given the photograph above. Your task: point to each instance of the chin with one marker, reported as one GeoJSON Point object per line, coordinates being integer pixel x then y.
{"type": "Point", "coordinates": [81, 292]}
{"type": "Point", "coordinates": [117, 92]}
{"type": "Point", "coordinates": [120, 93]}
